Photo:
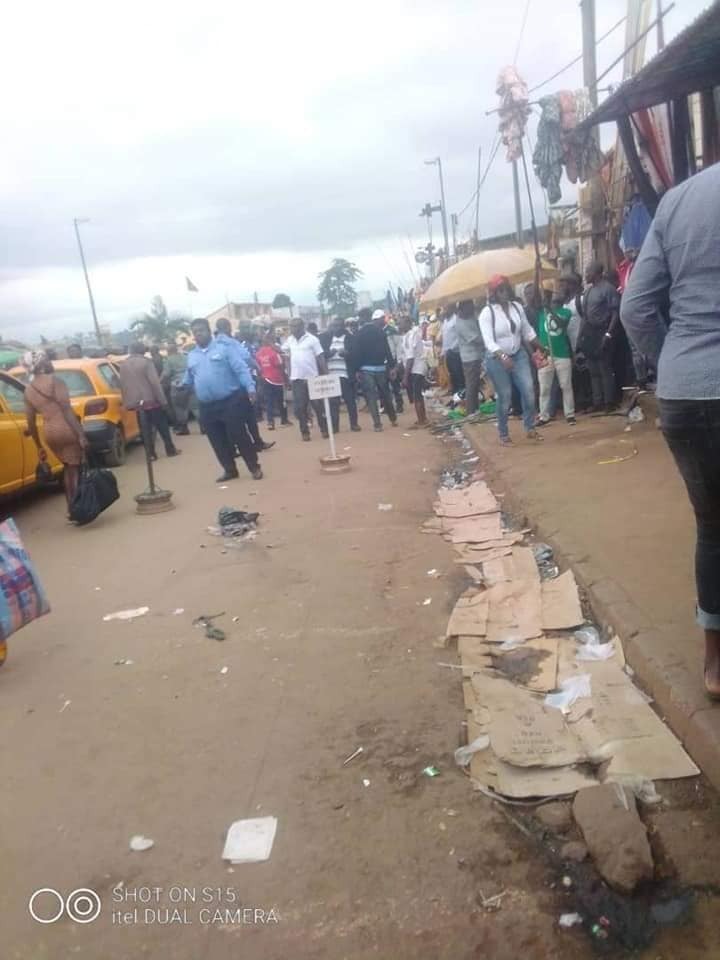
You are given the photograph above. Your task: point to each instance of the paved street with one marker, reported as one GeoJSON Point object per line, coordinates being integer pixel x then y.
{"type": "Point", "coordinates": [332, 649]}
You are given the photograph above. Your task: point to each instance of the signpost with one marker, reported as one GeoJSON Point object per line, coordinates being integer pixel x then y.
{"type": "Point", "coordinates": [323, 388]}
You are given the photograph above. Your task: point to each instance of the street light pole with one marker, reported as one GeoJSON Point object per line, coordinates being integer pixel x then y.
{"type": "Point", "coordinates": [438, 162]}
{"type": "Point", "coordinates": [87, 279]}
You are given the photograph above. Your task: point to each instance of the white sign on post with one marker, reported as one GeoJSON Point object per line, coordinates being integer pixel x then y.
{"type": "Point", "coordinates": [326, 386]}
{"type": "Point", "coordinates": [322, 388]}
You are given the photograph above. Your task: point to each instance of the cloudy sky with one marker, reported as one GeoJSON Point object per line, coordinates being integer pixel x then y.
{"type": "Point", "coordinates": [245, 144]}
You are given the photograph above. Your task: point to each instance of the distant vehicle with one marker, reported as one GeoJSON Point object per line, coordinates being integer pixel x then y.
{"type": "Point", "coordinates": [18, 453]}
{"type": "Point", "coordinates": [94, 388]}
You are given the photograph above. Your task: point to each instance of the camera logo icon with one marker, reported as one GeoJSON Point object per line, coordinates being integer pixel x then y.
{"type": "Point", "coordinates": [47, 905]}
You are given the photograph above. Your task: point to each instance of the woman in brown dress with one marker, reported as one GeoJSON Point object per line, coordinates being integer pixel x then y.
{"type": "Point", "coordinates": [48, 396]}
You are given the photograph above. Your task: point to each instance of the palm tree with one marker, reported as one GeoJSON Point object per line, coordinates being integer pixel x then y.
{"type": "Point", "coordinates": [336, 287]}
{"type": "Point", "coordinates": [158, 325]}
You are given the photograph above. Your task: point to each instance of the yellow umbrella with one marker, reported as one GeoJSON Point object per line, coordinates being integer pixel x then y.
{"type": "Point", "coordinates": [468, 279]}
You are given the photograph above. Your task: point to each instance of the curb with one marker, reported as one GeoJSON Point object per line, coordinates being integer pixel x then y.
{"type": "Point", "coordinates": [650, 651]}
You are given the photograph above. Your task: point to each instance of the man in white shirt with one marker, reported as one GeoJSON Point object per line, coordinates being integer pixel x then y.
{"type": "Point", "coordinates": [451, 351]}
{"type": "Point", "coordinates": [307, 360]}
{"type": "Point", "coordinates": [337, 344]}
{"type": "Point", "coordinates": [505, 330]}
{"type": "Point", "coordinates": [415, 364]}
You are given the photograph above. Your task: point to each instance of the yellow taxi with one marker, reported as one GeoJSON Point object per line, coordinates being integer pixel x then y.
{"type": "Point", "coordinates": [18, 453]}
{"type": "Point", "coordinates": [94, 388]}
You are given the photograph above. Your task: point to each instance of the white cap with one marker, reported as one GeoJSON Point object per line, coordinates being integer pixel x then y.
{"type": "Point", "coordinates": [379, 315]}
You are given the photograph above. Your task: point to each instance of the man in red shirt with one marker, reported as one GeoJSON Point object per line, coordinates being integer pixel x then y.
{"type": "Point", "coordinates": [272, 371]}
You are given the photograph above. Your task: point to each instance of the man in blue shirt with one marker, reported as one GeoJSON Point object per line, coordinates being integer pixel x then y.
{"type": "Point", "coordinates": [223, 333]}
{"type": "Point", "coordinates": [224, 388]}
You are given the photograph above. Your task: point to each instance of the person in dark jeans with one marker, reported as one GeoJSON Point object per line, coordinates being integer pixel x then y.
{"type": "Point", "coordinates": [680, 258]}
{"type": "Point", "coordinates": [451, 351]}
{"type": "Point", "coordinates": [224, 386]}
{"type": "Point", "coordinates": [141, 391]}
{"type": "Point", "coordinates": [601, 315]}
{"type": "Point", "coordinates": [372, 359]}
{"type": "Point", "coordinates": [307, 360]}
{"type": "Point", "coordinates": [337, 342]}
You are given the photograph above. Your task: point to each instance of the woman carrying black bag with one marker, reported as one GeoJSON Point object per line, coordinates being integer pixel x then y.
{"type": "Point", "coordinates": [96, 491]}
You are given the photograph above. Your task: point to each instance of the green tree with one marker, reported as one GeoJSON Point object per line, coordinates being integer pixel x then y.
{"type": "Point", "coordinates": [336, 287]}
{"type": "Point", "coordinates": [158, 324]}
{"type": "Point", "coordinates": [282, 300]}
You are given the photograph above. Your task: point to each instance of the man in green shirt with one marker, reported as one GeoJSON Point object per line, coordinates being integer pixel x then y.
{"type": "Point", "coordinates": [553, 322]}
{"type": "Point", "coordinates": [175, 366]}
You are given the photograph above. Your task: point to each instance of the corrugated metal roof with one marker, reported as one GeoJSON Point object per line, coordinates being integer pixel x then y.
{"type": "Point", "coordinates": [688, 64]}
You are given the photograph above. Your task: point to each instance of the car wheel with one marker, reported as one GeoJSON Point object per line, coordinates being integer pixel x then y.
{"type": "Point", "coordinates": [115, 457]}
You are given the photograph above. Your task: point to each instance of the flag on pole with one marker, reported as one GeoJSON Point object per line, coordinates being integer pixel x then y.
{"type": "Point", "coordinates": [190, 285]}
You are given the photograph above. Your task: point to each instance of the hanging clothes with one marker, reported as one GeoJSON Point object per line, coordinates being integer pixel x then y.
{"type": "Point", "coordinates": [514, 110]}
{"type": "Point", "coordinates": [636, 223]}
{"type": "Point", "coordinates": [549, 151]}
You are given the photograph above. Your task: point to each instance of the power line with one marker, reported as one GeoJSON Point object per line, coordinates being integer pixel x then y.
{"type": "Point", "coordinates": [493, 154]}
{"type": "Point", "coordinates": [577, 59]}
{"type": "Point", "coordinates": [522, 32]}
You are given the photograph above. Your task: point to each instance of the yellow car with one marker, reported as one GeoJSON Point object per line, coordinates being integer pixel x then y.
{"type": "Point", "coordinates": [18, 453]}
{"type": "Point", "coordinates": [94, 388]}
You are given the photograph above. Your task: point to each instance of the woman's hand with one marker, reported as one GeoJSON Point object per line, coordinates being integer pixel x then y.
{"type": "Point", "coordinates": [506, 361]}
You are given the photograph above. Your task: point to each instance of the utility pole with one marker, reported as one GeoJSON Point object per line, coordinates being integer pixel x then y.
{"type": "Point", "coordinates": [427, 211]}
{"type": "Point", "coordinates": [476, 239]}
{"type": "Point", "coordinates": [597, 200]}
{"type": "Point", "coordinates": [518, 209]}
{"type": "Point", "coordinates": [443, 209]}
{"type": "Point", "coordinates": [454, 222]}
{"type": "Point", "coordinates": [87, 279]}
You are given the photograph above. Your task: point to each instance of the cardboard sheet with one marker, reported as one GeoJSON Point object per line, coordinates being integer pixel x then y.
{"type": "Point", "coordinates": [519, 564]}
{"type": "Point", "coordinates": [475, 529]}
{"type": "Point", "coordinates": [473, 651]}
{"type": "Point", "coordinates": [514, 611]}
{"type": "Point", "coordinates": [532, 666]}
{"type": "Point", "coordinates": [469, 616]}
{"type": "Point", "coordinates": [473, 500]}
{"type": "Point", "coordinates": [561, 608]}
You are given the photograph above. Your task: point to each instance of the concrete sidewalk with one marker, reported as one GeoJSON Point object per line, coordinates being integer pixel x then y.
{"type": "Point", "coordinates": [628, 531]}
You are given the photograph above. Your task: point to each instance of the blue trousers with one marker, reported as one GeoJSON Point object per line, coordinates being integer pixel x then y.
{"type": "Point", "coordinates": [503, 380]}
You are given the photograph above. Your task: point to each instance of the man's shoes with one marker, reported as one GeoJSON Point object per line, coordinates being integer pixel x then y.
{"type": "Point", "coordinates": [534, 435]}
{"type": "Point", "coordinates": [286, 423]}
{"type": "Point", "coordinates": [182, 432]}
{"type": "Point", "coordinates": [378, 428]}
{"type": "Point", "coordinates": [325, 434]}
{"type": "Point", "coordinates": [356, 428]}
{"type": "Point", "coordinates": [271, 426]}
{"type": "Point", "coordinates": [267, 446]}
{"type": "Point", "coordinates": [306, 437]}
{"type": "Point", "coordinates": [542, 421]}
{"type": "Point", "coordinates": [174, 452]}
{"type": "Point", "coordinates": [394, 423]}
{"type": "Point", "coordinates": [572, 421]}
{"type": "Point", "coordinates": [257, 473]}
{"type": "Point", "coordinates": [228, 476]}
{"type": "Point", "coordinates": [153, 457]}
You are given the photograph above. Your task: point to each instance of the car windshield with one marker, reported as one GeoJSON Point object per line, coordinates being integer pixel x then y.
{"type": "Point", "coordinates": [77, 382]}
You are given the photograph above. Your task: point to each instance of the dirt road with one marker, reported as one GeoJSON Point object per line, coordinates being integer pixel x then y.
{"type": "Point", "coordinates": [332, 649]}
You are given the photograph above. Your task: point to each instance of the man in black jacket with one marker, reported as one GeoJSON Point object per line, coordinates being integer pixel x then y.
{"type": "Point", "coordinates": [372, 360]}
{"type": "Point", "coordinates": [337, 342]}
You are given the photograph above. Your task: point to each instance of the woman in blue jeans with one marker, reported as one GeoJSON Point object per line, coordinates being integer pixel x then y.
{"type": "Point", "coordinates": [505, 331]}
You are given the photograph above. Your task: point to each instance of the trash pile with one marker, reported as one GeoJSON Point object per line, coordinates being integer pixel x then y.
{"type": "Point", "coordinates": [234, 523]}
{"type": "Point", "coordinates": [550, 707]}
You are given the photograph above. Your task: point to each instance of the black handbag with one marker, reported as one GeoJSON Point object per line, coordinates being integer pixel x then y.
{"type": "Point", "coordinates": [97, 490]}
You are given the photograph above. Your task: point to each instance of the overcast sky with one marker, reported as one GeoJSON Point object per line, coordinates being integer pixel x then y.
{"type": "Point", "coordinates": [245, 144]}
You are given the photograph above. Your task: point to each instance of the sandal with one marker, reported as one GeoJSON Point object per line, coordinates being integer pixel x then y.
{"type": "Point", "coordinates": [505, 441]}
{"type": "Point", "coordinates": [534, 435]}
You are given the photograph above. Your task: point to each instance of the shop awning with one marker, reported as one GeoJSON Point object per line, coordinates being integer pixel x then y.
{"type": "Point", "coordinates": [688, 64]}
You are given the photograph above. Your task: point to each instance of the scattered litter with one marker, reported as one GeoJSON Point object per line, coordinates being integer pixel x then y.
{"type": "Point", "coordinates": [463, 755]}
{"type": "Point", "coordinates": [408, 435]}
{"type": "Point", "coordinates": [65, 705]}
{"type": "Point", "coordinates": [98, 588]}
{"type": "Point", "coordinates": [542, 552]}
{"type": "Point", "coordinates": [385, 506]}
{"type": "Point", "coordinates": [572, 689]}
{"type": "Point", "coordinates": [178, 611]}
{"type": "Point", "coordinates": [512, 643]}
{"type": "Point", "coordinates": [619, 459]}
{"type": "Point", "coordinates": [643, 789]}
{"type": "Point", "coordinates": [138, 843]}
{"type": "Point", "coordinates": [123, 662]}
{"type": "Point", "coordinates": [126, 614]}
{"type": "Point", "coordinates": [431, 771]}
{"type": "Point", "coordinates": [347, 448]}
{"type": "Point", "coordinates": [567, 882]}
{"type": "Point", "coordinates": [427, 601]}
{"type": "Point", "coordinates": [211, 632]}
{"type": "Point", "coordinates": [250, 841]}
{"type": "Point", "coordinates": [224, 670]}
{"type": "Point", "coordinates": [223, 487]}
{"type": "Point", "coordinates": [491, 904]}
{"type": "Point", "coordinates": [236, 619]}
{"type": "Point", "coordinates": [235, 524]}
{"type": "Point", "coordinates": [352, 756]}
{"type": "Point", "coordinates": [471, 460]}
{"type": "Point", "coordinates": [568, 920]}
{"type": "Point", "coordinates": [366, 783]}
{"type": "Point", "coordinates": [595, 651]}
{"type": "Point", "coordinates": [434, 573]}
{"type": "Point", "coordinates": [451, 479]}
{"type": "Point", "coordinates": [425, 469]}
{"type": "Point", "coordinates": [588, 635]}
{"type": "Point", "coordinates": [636, 415]}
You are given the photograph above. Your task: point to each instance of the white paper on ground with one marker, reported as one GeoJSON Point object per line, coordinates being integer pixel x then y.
{"type": "Point", "coordinates": [250, 841]}
{"type": "Point", "coordinates": [463, 755]}
{"type": "Point", "coordinates": [595, 651]}
{"type": "Point", "coordinates": [126, 614]}
{"type": "Point", "coordinates": [571, 689]}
